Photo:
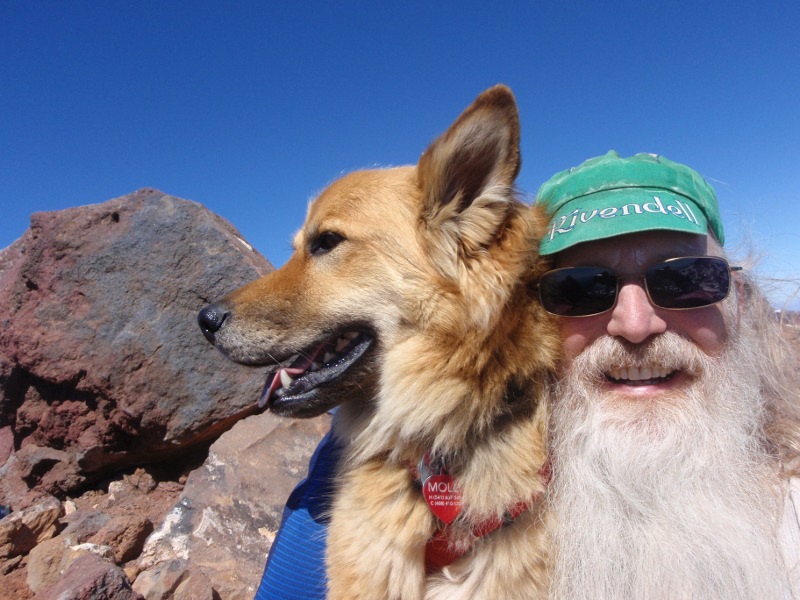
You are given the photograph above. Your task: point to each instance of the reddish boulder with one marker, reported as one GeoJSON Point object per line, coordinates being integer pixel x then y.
{"type": "Point", "coordinates": [91, 577]}
{"type": "Point", "coordinates": [101, 359]}
{"type": "Point", "coordinates": [21, 531]}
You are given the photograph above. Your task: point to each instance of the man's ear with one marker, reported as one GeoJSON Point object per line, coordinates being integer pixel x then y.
{"type": "Point", "coordinates": [467, 175]}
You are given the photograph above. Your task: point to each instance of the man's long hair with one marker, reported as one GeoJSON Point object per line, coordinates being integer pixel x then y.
{"type": "Point", "coordinates": [778, 367]}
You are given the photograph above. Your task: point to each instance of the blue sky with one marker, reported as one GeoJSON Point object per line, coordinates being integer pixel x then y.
{"type": "Point", "coordinates": [250, 108]}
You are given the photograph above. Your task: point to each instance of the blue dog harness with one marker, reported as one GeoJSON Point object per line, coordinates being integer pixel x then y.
{"type": "Point", "coordinates": [296, 564]}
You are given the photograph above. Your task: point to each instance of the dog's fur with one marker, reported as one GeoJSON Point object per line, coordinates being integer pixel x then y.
{"type": "Point", "coordinates": [433, 265]}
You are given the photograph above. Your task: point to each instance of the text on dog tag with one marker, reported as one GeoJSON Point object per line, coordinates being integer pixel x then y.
{"type": "Point", "coordinates": [442, 497]}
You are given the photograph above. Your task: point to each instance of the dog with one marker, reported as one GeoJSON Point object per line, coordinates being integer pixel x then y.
{"type": "Point", "coordinates": [409, 302]}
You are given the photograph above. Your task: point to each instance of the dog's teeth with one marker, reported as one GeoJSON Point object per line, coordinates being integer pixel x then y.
{"type": "Point", "coordinates": [286, 379]}
{"type": "Point", "coordinates": [315, 366]}
{"type": "Point", "coordinates": [329, 356]}
{"type": "Point", "coordinates": [341, 344]}
{"type": "Point", "coordinates": [279, 392]}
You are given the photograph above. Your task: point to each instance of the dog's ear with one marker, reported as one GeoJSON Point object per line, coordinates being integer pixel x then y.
{"type": "Point", "coordinates": [467, 175]}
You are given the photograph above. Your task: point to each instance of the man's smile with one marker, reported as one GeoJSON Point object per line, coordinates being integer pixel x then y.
{"type": "Point", "coordinates": [645, 375]}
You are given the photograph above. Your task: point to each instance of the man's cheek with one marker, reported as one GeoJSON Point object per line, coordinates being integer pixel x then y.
{"type": "Point", "coordinates": [578, 333]}
{"type": "Point", "coordinates": [705, 327]}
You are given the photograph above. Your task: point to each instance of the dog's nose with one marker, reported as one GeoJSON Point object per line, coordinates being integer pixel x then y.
{"type": "Point", "coordinates": [211, 319]}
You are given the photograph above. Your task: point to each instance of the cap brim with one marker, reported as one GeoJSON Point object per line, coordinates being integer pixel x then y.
{"type": "Point", "coordinates": [617, 212]}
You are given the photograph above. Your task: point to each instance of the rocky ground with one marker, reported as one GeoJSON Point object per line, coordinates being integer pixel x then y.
{"type": "Point", "coordinates": [194, 528]}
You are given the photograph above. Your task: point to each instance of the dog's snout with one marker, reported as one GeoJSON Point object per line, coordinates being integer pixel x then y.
{"type": "Point", "coordinates": [211, 319]}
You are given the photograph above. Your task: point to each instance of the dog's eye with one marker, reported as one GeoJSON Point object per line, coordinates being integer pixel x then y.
{"type": "Point", "coordinates": [324, 243]}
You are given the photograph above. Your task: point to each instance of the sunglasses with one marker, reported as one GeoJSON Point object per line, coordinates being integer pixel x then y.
{"type": "Point", "coordinates": [676, 284]}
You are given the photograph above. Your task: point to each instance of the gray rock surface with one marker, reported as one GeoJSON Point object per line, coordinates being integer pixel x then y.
{"type": "Point", "coordinates": [101, 359]}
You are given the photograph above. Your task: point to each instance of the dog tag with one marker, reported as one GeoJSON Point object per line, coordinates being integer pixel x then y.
{"type": "Point", "coordinates": [442, 497]}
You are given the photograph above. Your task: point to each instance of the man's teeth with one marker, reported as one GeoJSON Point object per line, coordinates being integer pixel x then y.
{"type": "Point", "coordinates": [638, 373]}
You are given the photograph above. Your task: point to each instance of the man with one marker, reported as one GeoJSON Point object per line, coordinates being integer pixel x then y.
{"type": "Point", "coordinates": [676, 426]}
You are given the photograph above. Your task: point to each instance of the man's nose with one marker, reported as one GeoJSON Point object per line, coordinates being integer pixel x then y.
{"type": "Point", "coordinates": [634, 317]}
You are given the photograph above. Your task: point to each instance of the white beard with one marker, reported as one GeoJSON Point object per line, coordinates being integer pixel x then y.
{"type": "Point", "coordinates": [673, 500]}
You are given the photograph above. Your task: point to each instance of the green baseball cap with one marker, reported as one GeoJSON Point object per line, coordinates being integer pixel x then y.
{"type": "Point", "coordinates": [609, 196]}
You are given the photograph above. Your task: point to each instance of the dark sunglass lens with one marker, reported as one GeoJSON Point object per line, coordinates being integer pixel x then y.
{"type": "Point", "coordinates": [578, 291]}
{"type": "Point", "coordinates": [688, 282]}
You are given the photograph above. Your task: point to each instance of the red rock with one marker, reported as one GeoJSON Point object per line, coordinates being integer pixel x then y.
{"type": "Point", "coordinates": [161, 582]}
{"type": "Point", "coordinates": [90, 577]}
{"type": "Point", "coordinates": [174, 580]}
{"type": "Point", "coordinates": [47, 469]}
{"type": "Point", "coordinates": [23, 530]}
{"type": "Point", "coordinates": [6, 444]}
{"type": "Point", "coordinates": [14, 490]}
{"type": "Point", "coordinates": [14, 586]}
{"type": "Point", "coordinates": [195, 587]}
{"type": "Point", "coordinates": [126, 535]}
{"type": "Point", "coordinates": [100, 354]}
{"type": "Point", "coordinates": [47, 561]}
{"type": "Point", "coordinates": [83, 524]}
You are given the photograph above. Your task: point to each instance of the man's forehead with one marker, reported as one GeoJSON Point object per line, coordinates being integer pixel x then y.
{"type": "Point", "coordinates": [635, 249]}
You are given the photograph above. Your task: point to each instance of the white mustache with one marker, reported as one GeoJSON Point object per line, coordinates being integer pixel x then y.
{"type": "Point", "coordinates": [659, 356]}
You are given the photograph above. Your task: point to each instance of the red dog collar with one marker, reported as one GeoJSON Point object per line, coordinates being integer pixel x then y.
{"type": "Point", "coordinates": [444, 500]}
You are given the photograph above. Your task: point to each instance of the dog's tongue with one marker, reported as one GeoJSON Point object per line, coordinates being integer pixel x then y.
{"type": "Point", "coordinates": [283, 377]}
